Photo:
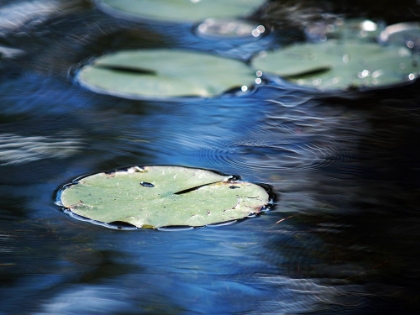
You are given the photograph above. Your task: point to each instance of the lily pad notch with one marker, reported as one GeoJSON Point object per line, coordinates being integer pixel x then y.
{"type": "Point", "coordinates": [159, 197]}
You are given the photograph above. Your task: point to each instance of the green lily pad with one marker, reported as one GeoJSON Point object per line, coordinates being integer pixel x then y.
{"type": "Point", "coordinates": [340, 65]}
{"type": "Point", "coordinates": [179, 10]}
{"type": "Point", "coordinates": [161, 196]}
{"type": "Point", "coordinates": [162, 73]}
{"type": "Point", "coordinates": [362, 30]}
{"type": "Point", "coordinates": [358, 29]}
{"type": "Point", "coordinates": [228, 28]}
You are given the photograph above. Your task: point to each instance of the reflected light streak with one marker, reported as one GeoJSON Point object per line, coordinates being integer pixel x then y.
{"type": "Point", "coordinates": [16, 15]}
{"type": "Point", "coordinates": [16, 149]}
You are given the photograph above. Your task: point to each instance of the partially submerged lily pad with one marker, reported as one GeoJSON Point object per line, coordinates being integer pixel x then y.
{"type": "Point", "coordinates": [179, 10]}
{"type": "Point", "coordinates": [162, 73]}
{"type": "Point", "coordinates": [340, 65]}
{"type": "Point", "coordinates": [161, 196]}
{"type": "Point", "coordinates": [346, 29]}
{"type": "Point", "coordinates": [229, 28]}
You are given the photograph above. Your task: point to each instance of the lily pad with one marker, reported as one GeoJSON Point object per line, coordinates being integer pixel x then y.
{"type": "Point", "coordinates": [338, 28]}
{"type": "Point", "coordinates": [161, 196]}
{"type": "Point", "coordinates": [340, 65]}
{"type": "Point", "coordinates": [179, 10]}
{"type": "Point", "coordinates": [162, 73]}
{"type": "Point", "coordinates": [228, 28]}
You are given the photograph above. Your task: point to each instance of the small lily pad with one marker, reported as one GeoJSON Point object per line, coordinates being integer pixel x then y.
{"type": "Point", "coordinates": [162, 196]}
{"type": "Point", "coordinates": [163, 73]}
{"type": "Point", "coordinates": [338, 28]}
{"type": "Point", "coordinates": [340, 65]}
{"type": "Point", "coordinates": [228, 28]}
{"type": "Point", "coordinates": [179, 10]}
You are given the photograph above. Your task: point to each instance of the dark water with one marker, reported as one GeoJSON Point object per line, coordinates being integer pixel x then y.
{"type": "Point", "coordinates": [343, 238]}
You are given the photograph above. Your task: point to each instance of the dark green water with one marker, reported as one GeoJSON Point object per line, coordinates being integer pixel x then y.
{"type": "Point", "coordinates": [343, 238]}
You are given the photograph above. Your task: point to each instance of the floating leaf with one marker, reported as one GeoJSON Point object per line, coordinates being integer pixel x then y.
{"type": "Point", "coordinates": [160, 73]}
{"type": "Point", "coordinates": [160, 196]}
{"type": "Point", "coordinates": [359, 29]}
{"type": "Point", "coordinates": [338, 28]}
{"type": "Point", "coordinates": [340, 65]}
{"type": "Point", "coordinates": [179, 10]}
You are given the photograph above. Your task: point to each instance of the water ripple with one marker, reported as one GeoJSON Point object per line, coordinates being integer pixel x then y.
{"type": "Point", "coordinates": [16, 149]}
{"type": "Point", "coordinates": [290, 138]}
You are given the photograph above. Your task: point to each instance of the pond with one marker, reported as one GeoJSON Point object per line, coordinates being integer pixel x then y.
{"type": "Point", "coordinates": [343, 235]}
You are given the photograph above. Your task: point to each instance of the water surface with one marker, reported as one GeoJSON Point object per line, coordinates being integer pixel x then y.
{"type": "Point", "coordinates": [342, 238]}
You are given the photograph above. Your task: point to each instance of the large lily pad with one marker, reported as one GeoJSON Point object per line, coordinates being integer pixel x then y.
{"type": "Point", "coordinates": [162, 73]}
{"type": "Point", "coordinates": [161, 196]}
{"type": "Point", "coordinates": [179, 10]}
{"type": "Point", "coordinates": [340, 65]}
